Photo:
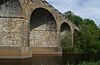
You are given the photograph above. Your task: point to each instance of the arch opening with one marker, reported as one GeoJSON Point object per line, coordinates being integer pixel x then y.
{"type": "Point", "coordinates": [10, 8]}
{"type": "Point", "coordinates": [65, 33]}
{"type": "Point", "coordinates": [43, 29]}
{"type": "Point", "coordinates": [76, 38]}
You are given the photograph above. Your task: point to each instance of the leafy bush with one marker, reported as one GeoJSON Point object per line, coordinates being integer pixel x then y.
{"type": "Point", "coordinates": [88, 40]}
{"type": "Point", "coordinates": [90, 63]}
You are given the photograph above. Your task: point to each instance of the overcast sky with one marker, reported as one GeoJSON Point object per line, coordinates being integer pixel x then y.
{"type": "Point", "coordinates": [84, 8]}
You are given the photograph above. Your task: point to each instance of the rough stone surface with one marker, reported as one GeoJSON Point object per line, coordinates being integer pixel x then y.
{"type": "Point", "coordinates": [21, 25]}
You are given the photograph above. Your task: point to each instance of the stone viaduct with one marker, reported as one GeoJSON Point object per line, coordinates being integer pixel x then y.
{"type": "Point", "coordinates": [32, 27]}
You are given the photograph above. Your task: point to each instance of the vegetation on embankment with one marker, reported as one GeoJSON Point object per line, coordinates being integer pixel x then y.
{"type": "Point", "coordinates": [90, 63]}
{"type": "Point", "coordinates": [88, 38]}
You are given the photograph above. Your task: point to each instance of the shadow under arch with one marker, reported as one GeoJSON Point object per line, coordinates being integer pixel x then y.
{"type": "Point", "coordinates": [10, 8]}
{"type": "Point", "coordinates": [76, 39]}
{"type": "Point", "coordinates": [43, 29]}
{"type": "Point", "coordinates": [43, 37]}
{"type": "Point", "coordinates": [65, 33]}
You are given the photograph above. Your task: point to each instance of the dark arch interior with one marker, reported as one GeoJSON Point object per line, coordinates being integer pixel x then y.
{"type": "Point", "coordinates": [10, 8]}
{"type": "Point", "coordinates": [76, 37]}
{"type": "Point", "coordinates": [64, 27]}
{"type": "Point", "coordinates": [40, 17]}
{"type": "Point", "coordinates": [42, 28]}
{"type": "Point", "coordinates": [65, 33]}
{"type": "Point", "coordinates": [7, 1]}
{"type": "Point", "coordinates": [4, 1]}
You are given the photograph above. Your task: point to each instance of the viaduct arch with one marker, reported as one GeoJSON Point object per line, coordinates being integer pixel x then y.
{"type": "Point", "coordinates": [30, 27]}
{"type": "Point", "coordinates": [65, 33]}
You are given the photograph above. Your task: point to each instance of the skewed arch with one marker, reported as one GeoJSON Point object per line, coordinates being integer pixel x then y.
{"type": "Point", "coordinates": [42, 14]}
{"type": "Point", "coordinates": [43, 29]}
{"type": "Point", "coordinates": [65, 34]}
{"type": "Point", "coordinates": [11, 8]}
{"type": "Point", "coordinates": [76, 35]}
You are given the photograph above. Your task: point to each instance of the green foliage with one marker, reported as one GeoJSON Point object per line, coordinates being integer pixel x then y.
{"type": "Point", "coordinates": [66, 41]}
{"type": "Point", "coordinates": [73, 18]}
{"type": "Point", "coordinates": [67, 49]}
{"type": "Point", "coordinates": [69, 15]}
{"type": "Point", "coordinates": [88, 38]}
{"type": "Point", "coordinates": [90, 63]}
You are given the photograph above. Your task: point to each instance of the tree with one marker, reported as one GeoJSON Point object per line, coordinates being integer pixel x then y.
{"type": "Point", "coordinates": [73, 18]}
{"type": "Point", "coordinates": [68, 15]}
{"type": "Point", "coordinates": [89, 35]}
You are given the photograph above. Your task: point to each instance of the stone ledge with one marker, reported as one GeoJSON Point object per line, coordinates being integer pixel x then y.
{"type": "Point", "coordinates": [46, 50]}
{"type": "Point", "coordinates": [15, 52]}
{"type": "Point", "coordinates": [15, 57]}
